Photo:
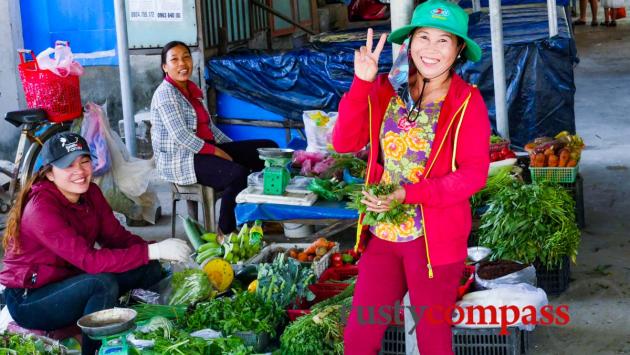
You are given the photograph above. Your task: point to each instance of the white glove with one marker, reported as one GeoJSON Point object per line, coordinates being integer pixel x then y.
{"type": "Point", "coordinates": [170, 250]}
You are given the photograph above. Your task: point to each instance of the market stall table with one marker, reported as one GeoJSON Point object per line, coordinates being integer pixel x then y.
{"type": "Point", "coordinates": [333, 214]}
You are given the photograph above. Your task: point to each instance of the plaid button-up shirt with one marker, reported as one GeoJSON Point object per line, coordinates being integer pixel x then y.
{"type": "Point", "coordinates": [173, 127]}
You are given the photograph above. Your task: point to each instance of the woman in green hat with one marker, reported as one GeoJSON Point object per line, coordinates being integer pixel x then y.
{"type": "Point", "coordinates": [428, 133]}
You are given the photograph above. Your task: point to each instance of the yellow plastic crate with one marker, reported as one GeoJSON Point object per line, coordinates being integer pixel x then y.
{"type": "Point", "coordinates": [563, 175]}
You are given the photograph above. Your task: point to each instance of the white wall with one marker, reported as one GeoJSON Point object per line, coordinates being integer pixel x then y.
{"type": "Point", "coordinates": [11, 97]}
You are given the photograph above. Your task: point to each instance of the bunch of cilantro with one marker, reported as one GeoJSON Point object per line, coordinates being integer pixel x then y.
{"type": "Point", "coordinates": [397, 214]}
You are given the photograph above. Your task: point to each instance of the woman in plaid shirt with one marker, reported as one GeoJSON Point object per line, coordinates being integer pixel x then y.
{"type": "Point", "coordinates": [188, 148]}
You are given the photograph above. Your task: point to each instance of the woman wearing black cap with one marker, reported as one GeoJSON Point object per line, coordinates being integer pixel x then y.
{"type": "Point", "coordinates": [53, 272]}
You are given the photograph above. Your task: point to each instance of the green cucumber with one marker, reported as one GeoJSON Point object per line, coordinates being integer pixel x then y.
{"type": "Point", "coordinates": [199, 226]}
{"type": "Point", "coordinates": [192, 233]}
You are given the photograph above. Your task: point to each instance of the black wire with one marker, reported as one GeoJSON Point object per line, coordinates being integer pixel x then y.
{"type": "Point", "coordinates": [417, 103]}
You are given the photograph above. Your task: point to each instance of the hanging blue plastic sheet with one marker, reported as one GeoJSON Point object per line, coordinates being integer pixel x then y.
{"type": "Point", "coordinates": [287, 83]}
{"type": "Point", "coordinates": [539, 72]}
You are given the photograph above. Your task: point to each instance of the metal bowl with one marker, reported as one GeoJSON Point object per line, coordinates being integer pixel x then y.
{"type": "Point", "coordinates": [275, 153]}
{"type": "Point", "coordinates": [476, 254]}
{"type": "Point", "coordinates": [107, 322]}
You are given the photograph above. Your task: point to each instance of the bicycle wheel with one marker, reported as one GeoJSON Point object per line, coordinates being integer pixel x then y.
{"type": "Point", "coordinates": [32, 161]}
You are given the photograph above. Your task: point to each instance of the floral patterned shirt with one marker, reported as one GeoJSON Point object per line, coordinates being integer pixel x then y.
{"type": "Point", "coordinates": [406, 147]}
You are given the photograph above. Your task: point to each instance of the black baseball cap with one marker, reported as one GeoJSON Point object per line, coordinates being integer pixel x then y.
{"type": "Point", "coordinates": [63, 148]}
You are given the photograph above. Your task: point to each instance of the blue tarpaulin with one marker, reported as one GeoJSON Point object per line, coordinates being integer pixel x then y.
{"type": "Point", "coordinates": [249, 212]}
{"type": "Point", "coordinates": [539, 72]}
{"type": "Point", "coordinates": [538, 69]}
{"type": "Point", "coordinates": [287, 83]}
{"type": "Point", "coordinates": [467, 4]}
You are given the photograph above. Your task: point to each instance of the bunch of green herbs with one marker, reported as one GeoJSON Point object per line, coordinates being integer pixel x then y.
{"type": "Point", "coordinates": [179, 342]}
{"type": "Point", "coordinates": [320, 332]}
{"type": "Point", "coordinates": [397, 214]}
{"type": "Point", "coordinates": [146, 311]}
{"type": "Point", "coordinates": [531, 222]}
{"type": "Point", "coordinates": [494, 184]}
{"type": "Point", "coordinates": [356, 166]}
{"type": "Point", "coordinates": [19, 344]}
{"type": "Point", "coordinates": [332, 189]}
{"type": "Point", "coordinates": [243, 312]}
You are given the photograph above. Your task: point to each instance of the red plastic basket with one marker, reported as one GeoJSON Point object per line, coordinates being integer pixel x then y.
{"type": "Point", "coordinates": [59, 96]}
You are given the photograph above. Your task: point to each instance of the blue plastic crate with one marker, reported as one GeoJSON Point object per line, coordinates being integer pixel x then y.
{"type": "Point", "coordinates": [244, 132]}
{"type": "Point", "coordinates": [230, 107]}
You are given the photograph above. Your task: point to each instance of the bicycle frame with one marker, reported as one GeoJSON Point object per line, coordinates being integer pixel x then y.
{"type": "Point", "coordinates": [32, 138]}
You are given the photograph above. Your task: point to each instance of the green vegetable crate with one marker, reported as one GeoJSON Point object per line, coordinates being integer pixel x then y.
{"type": "Point", "coordinates": [318, 266]}
{"type": "Point", "coordinates": [562, 175]}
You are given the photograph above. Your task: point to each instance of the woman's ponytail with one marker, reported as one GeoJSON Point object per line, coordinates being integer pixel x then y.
{"type": "Point", "coordinates": [12, 231]}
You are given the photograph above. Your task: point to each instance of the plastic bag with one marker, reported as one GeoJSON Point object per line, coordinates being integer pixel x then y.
{"type": "Point", "coordinates": [206, 334]}
{"type": "Point", "coordinates": [145, 296]}
{"type": "Point", "coordinates": [126, 185]}
{"type": "Point", "coordinates": [62, 63]}
{"type": "Point", "coordinates": [519, 295]}
{"type": "Point", "coordinates": [526, 275]}
{"type": "Point", "coordinates": [190, 286]}
{"type": "Point", "coordinates": [5, 319]}
{"type": "Point", "coordinates": [318, 126]}
{"type": "Point", "coordinates": [92, 131]}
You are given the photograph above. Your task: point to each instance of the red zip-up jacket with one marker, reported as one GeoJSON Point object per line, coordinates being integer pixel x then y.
{"type": "Point", "coordinates": [57, 239]}
{"type": "Point", "coordinates": [457, 166]}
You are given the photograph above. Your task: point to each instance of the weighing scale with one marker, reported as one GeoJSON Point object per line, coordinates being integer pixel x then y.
{"type": "Point", "coordinates": [111, 327]}
{"type": "Point", "coordinates": [276, 175]}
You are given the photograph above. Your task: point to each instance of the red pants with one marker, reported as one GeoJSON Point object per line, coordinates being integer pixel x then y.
{"type": "Point", "coordinates": [386, 271]}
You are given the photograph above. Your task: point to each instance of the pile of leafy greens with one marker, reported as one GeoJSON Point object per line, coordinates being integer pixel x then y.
{"type": "Point", "coordinates": [243, 312]}
{"type": "Point", "coordinates": [170, 340]}
{"type": "Point", "coordinates": [284, 281]}
{"type": "Point", "coordinates": [531, 222]}
{"type": "Point", "coordinates": [26, 344]}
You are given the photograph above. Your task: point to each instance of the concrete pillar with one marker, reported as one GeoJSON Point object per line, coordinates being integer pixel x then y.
{"type": "Point", "coordinates": [401, 11]}
{"type": "Point", "coordinates": [498, 69]}
{"type": "Point", "coordinates": [11, 96]}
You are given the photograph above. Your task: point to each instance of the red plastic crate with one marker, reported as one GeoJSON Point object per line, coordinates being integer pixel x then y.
{"type": "Point", "coordinates": [469, 275]}
{"type": "Point", "coordinates": [337, 274]}
{"type": "Point", "coordinates": [303, 306]}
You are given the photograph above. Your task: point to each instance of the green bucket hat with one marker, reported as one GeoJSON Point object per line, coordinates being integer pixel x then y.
{"type": "Point", "coordinates": [442, 15]}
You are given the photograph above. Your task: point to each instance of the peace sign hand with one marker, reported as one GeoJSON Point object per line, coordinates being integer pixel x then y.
{"type": "Point", "coordinates": [366, 60]}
